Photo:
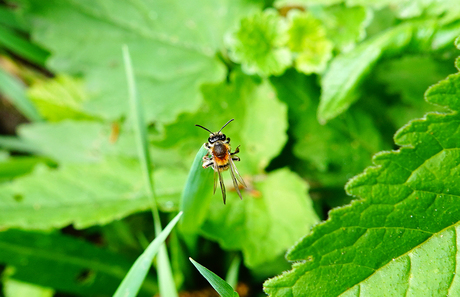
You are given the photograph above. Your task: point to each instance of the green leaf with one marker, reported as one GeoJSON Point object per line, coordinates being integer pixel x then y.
{"type": "Point", "coordinates": [335, 151]}
{"type": "Point", "coordinates": [346, 71]}
{"type": "Point", "coordinates": [308, 41]}
{"type": "Point", "coordinates": [259, 44]}
{"type": "Point", "coordinates": [196, 196]}
{"type": "Point", "coordinates": [137, 273]}
{"type": "Point", "coordinates": [59, 98]}
{"type": "Point", "coordinates": [401, 235]}
{"type": "Point", "coordinates": [268, 220]}
{"type": "Point", "coordinates": [221, 286]}
{"type": "Point", "coordinates": [173, 52]}
{"type": "Point", "coordinates": [14, 288]}
{"type": "Point", "coordinates": [14, 90]}
{"type": "Point", "coordinates": [17, 166]}
{"type": "Point", "coordinates": [83, 194]}
{"type": "Point", "coordinates": [345, 25]}
{"type": "Point", "coordinates": [65, 263]}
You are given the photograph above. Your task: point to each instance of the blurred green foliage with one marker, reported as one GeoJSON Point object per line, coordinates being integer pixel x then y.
{"type": "Point", "coordinates": [316, 89]}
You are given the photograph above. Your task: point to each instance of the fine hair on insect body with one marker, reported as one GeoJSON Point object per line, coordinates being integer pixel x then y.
{"type": "Point", "coordinates": [220, 158]}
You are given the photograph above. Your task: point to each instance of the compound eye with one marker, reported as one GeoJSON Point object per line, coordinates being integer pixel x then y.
{"type": "Point", "coordinates": [223, 137]}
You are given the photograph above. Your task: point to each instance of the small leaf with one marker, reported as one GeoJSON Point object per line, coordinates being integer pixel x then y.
{"type": "Point", "coordinates": [137, 273]}
{"type": "Point", "coordinates": [308, 41]}
{"type": "Point", "coordinates": [59, 98]}
{"type": "Point", "coordinates": [221, 286]}
{"type": "Point", "coordinates": [266, 222]}
{"type": "Point", "coordinates": [259, 44]}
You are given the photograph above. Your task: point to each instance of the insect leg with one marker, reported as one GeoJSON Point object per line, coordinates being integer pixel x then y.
{"type": "Point", "coordinates": [237, 150]}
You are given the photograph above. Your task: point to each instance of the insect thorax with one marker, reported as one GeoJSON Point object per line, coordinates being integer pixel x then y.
{"type": "Point", "coordinates": [220, 149]}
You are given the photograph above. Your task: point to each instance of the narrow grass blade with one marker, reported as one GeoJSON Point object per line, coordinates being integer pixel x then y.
{"type": "Point", "coordinates": [221, 287]}
{"type": "Point", "coordinates": [232, 274]}
{"type": "Point", "coordinates": [133, 280]}
{"type": "Point", "coordinates": [166, 280]}
{"type": "Point", "coordinates": [15, 91]}
{"type": "Point", "coordinates": [22, 47]}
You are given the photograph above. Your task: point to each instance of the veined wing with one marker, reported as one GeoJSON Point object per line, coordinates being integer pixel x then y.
{"type": "Point", "coordinates": [238, 176]}
{"type": "Point", "coordinates": [235, 182]}
{"type": "Point", "coordinates": [222, 186]}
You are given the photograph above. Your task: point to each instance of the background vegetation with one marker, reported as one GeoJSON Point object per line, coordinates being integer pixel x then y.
{"type": "Point", "coordinates": [316, 88]}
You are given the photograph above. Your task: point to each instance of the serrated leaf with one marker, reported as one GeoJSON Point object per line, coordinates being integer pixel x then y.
{"type": "Point", "coordinates": [395, 232]}
{"type": "Point", "coordinates": [173, 53]}
{"type": "Point", "coordinates": [267, 221]}
{"type": "Point", "coordinates": [65, 263]}
{"type": "Point", "coordinates": [59, 98]}
{"type": "Point", "coordinates": [259, 44]}
{"type": "Point", "coordinates": [83, 194]}
{"type": "Point", "coordinates": [221, 286]}
{"type": "Point", "coordinates": [346, 71]}
{"type": "Point", "coordinates": [307, 40]}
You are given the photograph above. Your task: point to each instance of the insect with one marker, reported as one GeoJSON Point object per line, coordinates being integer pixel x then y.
{"type": "Point", "coordinates": [220, 158]}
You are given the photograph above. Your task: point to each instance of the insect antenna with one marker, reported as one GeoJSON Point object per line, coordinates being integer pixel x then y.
{"type": "Point", "coordinates": [225, 125]}
{"type": "Point", "coordinates": [204, 128]}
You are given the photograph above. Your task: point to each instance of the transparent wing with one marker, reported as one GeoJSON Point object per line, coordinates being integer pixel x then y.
{"type": "Point", "coordinates": [238, 176]}
{"type": "Point", "coordinates": [215, 182]}
{"type": "Point", "coordinates": [222, 186]}
{"type": "Point", "coordinates": [235, 182]}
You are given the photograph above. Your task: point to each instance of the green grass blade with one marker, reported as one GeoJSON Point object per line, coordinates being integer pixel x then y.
{"type": "Point", "coordinates": [166, 280]}
{"type": "Point", "coordinates": [15, 91]}
{"type": "Point", "coordinates": [22, 47]}
{"type": "Point", "coordinates": [133, 280]}
{"type": "Point", "coordinates": [221, 287]}
{"type": "Point", "coordinates": [232, 274]}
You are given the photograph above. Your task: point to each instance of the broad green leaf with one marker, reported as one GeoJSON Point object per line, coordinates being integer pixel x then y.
{"type": "Point", "coordinates": [133, 280]}
{"type": "Point", "coordinates": [173, 46]}
{"type": "Point", "coordinates": [308, 41]}
{"type": "Point", "coordinates": [59, 98]}
{"type": "Point", "coordinates": [402, 230]}
{"type": "Point", "coordinates": [64, 263]}
{"type": "Point", "coordinates": [14, 90]}
{"type": "Point", "coordinates": [347, 70]}
{"type": "Point", "coordinates": [259, 44]}
{"type": "Point", "coordinates": [83, 194]}
{"type": "Point", "coordinates": [221, 286]}
{"type": "Point", "coordinates": [269, 219]}
{"type": "Point", "coordinates": [260, 122]}
{"type": "Point", "coordinates": [14, 288]}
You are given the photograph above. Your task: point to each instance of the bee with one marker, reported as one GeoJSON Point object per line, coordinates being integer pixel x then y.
{"type": "Point", "coordinates": [220, 158]}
